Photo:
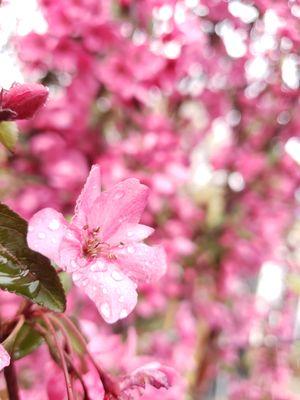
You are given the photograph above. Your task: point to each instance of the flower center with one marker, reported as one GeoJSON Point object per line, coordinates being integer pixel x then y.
{"type": "Point", "coordinates": [94, 247]}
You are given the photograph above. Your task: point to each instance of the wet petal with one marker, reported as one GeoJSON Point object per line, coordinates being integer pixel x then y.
{"type": "Point", "coordinates": [4, 358]}
{"type": "Point", "coordinates": [113, 292]}
{"type": "Point", "coordinates": [90, 192]}
{"type": "Point", "coordinates": [70, 251]}
{"type": "Point", "coordinates": [46, 230]}
{"type": "Point", "coordinates": [123, 203]}
{"type": "Point", "coordinates": [142, 263]}
{"type": "Point", "coordinates": [130, 233]}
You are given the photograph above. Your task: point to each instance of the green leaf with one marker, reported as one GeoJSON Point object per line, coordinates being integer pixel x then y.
{"type": "Point", "coordinates": [24, 271]}
{"type": "Point", "coordinates": [26, 342]}
{"type": "Point", "coordinates": [8, 134]}
{"type": "Point", "coordinates": [66, 281]}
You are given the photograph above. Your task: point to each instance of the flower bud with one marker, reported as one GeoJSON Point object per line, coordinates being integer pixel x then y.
{"type": "Point", "coordinates": [23, 100]}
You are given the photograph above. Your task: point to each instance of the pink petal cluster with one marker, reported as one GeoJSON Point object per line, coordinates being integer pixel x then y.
{"type": "Point", "coordinates": [101, 245]}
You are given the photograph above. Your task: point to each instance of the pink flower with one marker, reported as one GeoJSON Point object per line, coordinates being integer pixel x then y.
{"type": "Point", "coordinates": [22, 101]}
{"type": "Point", "coordinates": [154, 374]}
{"type": "Point", "coordinates": [4, 358]}
{"type": "Point", "coordinates": [101, 246]}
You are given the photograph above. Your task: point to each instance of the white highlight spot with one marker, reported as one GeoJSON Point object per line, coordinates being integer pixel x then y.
{"type": "Point", "coordinates": [54, 225]}
{"type": "Point", "coordinates": [105, 310]}
{"type": "Point", "coordinates": [123, 313]}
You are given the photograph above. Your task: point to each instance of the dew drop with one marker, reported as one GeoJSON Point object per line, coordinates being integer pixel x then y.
{"type": "Point", "coordinates": [73, 264]}
{"type": "Point", "coordinates": [104, 291]}
{"type": "Point", "coordinates": [76, 277]}
{"type": "Point", "coordinates": [116, 276]}
{"type": "Point", "coordinates": [130, 250]}
{"type": "Point", "coordinates": [84, 282]}
{"type": "Point", "coordinates": [121, 299]}
{"type": "Point", "coordinates": [119, 194]}
{"type": "Point", "coordinates": [30, 228]}
{"type": "Point", "coordinates": [105, 310]}
{"type": "Point", "coordinates": [33, 287]}
{"type": "Point", "coordinates": [54, 225]}
{"type": "Point", "coordinates": [53, 240]}
{"type": "Point", "coordinates": [99, 266]}
{"type": "Point", "coordinates": [93, 290]}
{"type": "Point", "coordinates": [123, 313]}
{"type": "Point", "coordinates": [94, 268]}
{"type": "Point", "coordinates": [41, 235]}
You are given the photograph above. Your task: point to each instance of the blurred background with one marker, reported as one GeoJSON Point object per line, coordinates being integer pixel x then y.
{"type": "Point", "coordinates": [199, 100]}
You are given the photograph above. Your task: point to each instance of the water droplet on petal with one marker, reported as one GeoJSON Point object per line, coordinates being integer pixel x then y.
{"type": "Point", "coordinates": [129, 233]}
{"type": "Point", "coordinates": [41, 235]}
{"type": "Point", "coordinates": [93, 291]}
{"type": "Point", "coordinates": [30, 228]}
{"type": "Point", "coordinates": [119, 194]}
{"type": "Point", "coordinates": [121, 299]}
{"type": "Point", "coordinates": [105, 310]}
{"type": "Point", "coordinates": [53, 240]}
{"type": "Point", "coordinates": [76, 277]}
{"type": "Point", "coordinates": [104, 291]}
{"type": "Point", "coordinates": [123, 313]}
{"type": "Point", "coordinates": [54, 225]}
{"type": "Point", "coordinates": [116, 276]}
{"type": "Point", "coordinates": [74, 264]}
{"type": "Point", "coordinates": [84, 282]}
{"type": "Point", "coordinates": [130, 250]}
{"type": "Point", "coordinates": [99, 266]}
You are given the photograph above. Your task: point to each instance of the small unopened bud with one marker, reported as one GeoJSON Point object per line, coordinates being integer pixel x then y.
{"type": "Point", "coordinates": [22, 101]}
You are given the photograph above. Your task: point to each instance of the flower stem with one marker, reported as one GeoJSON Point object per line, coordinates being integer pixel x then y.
{"type": "Point", "coordinates": [11, 381]}
{"type": "Point", "coordinates": [109, 385]}
{"type": "Point", "coordinates": [62, 358]}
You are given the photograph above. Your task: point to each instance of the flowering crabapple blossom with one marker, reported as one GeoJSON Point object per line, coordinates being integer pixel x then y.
{"type": "Point", "coordinates": [22, 101]}
{"type": "Point", "coordinates": [4, 358]}
{"type": "Point", "coordinates": [101, 246]}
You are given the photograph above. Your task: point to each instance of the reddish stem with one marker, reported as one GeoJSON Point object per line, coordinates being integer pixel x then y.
{"type": "Point", "coordinates": [109, 385]}
{"type": "Point", "coordinates": [11, 381]}
{"type": "Point", "coordinates": [62, 358]}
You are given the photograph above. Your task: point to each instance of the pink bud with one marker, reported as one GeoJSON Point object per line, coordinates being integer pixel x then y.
{"type": "Point", "coordinates": [24, 99]}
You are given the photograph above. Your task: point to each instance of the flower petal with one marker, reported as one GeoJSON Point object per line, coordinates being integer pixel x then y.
{"type": "Point", "coordinates": [123, 203]}
{"type": "Point", "coordinates": [46, 230]}
{"type": "Point", "coordinates": [70, 251]}
{"type": "Point", "coordinates": [4, 358]}
{"type": "Point", "coordinates": [113, 292]}
{"type": "Point", "coordinates": [142, 263]}
{"type": "Point", "coordinates": [130, 233]}
{"type": "Point", "coordinates": [90, 192]}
